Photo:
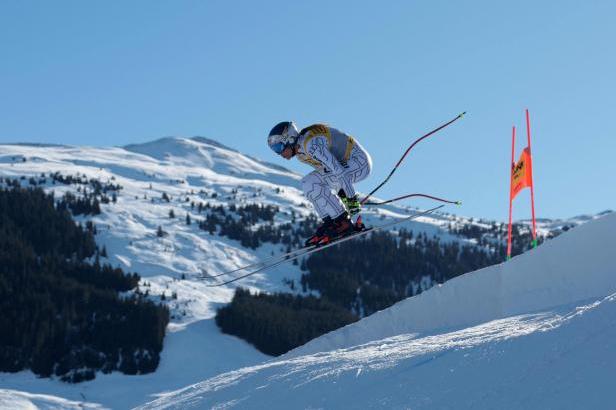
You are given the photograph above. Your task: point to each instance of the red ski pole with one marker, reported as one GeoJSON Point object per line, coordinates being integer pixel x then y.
{"type": "Point", "coordinates": [407, 151]}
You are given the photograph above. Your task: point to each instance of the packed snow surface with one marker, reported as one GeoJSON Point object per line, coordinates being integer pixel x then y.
{"type": "Point", "coordinates": [535, 333]}
{"type": "Point", "coordinates": [16, 400]}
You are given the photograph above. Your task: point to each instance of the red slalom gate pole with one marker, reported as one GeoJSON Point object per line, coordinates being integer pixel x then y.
{"type": "Point", "coordinates": [510, 188]}
{"type": "Point", "coordinates": [532, 185]}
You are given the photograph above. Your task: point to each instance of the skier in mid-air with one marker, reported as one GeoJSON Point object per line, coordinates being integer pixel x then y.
{"type": "Point", "coordinates": [339, 162]}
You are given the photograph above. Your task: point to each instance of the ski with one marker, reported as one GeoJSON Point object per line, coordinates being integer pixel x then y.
{"type": "Point", "coordinates": [311, 249]}
{"type": "Point", "coordinates": [389, 201]}
{"type": "Point", "coordinates": [284, 256]}
{"type": "Point", "coordinates": [261, 262]}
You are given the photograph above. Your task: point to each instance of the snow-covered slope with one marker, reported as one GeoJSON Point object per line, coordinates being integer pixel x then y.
{"type": "Point", "coordinates": [13, 400]}
{"type": "Point", "coordinates": [550, 227]}
{"type": "Point", "coordinates": [199, 152]}
{"type": "Point", "coordinates": [537, 332]}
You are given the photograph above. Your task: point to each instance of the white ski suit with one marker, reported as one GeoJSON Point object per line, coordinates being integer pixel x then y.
{"type": "Point", "coordinates": [339, 162]}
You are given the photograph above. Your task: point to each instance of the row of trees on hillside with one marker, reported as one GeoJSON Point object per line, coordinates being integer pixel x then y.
{"type": "Point", "coordinates": [240, 223]}
{"type": "Point", "coordinates": [61, 315]}
{"type": "Point", "coordinates": [494, 237]}
{"type": "Point", "coordinates": [277, 323]}
{"type": "Point", "coordinates": [90, 192]}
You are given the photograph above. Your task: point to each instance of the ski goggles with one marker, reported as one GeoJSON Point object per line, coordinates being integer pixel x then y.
{"type": "Point", "coordinates": [278, 147]}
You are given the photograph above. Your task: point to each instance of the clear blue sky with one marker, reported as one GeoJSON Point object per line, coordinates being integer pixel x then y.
{"type": "Point", "coordinates": [116, 72]}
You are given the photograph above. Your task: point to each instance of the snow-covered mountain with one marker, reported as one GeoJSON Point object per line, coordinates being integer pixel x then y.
{"type": "Point", "coordinates": [158, 180]}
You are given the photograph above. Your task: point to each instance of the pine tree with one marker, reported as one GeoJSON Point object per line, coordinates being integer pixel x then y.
{"type": "Point", "coordinates": [159, 232]}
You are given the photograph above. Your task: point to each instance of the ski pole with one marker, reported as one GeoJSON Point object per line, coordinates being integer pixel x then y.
{"type": "Point", "coordinates": [407, 151]}
{"type": "Point", "coordinates": [413, 195]}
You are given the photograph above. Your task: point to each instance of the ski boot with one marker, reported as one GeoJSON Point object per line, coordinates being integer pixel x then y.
{"type": "Point", "coordinates": [359, 224]}
{"type": "Point", "coordinates": [352, 205]}
{"type": "Point", "coordinates": [332, 229]}
{"type": "Point", "coordinates": [321, 229]}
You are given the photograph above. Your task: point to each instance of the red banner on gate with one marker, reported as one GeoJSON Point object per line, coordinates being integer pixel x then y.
{"type": "Point", "coordinates": [522, 173]}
